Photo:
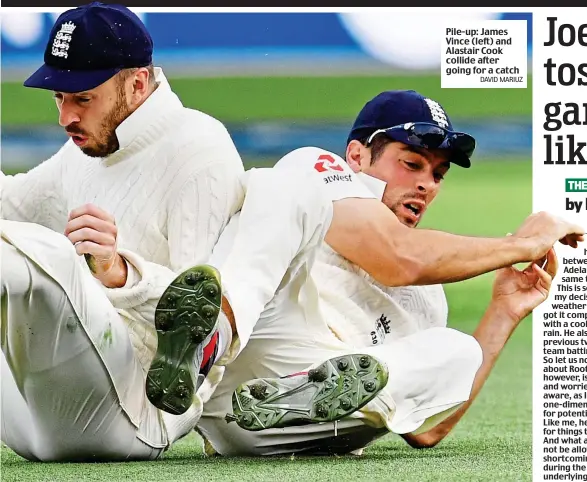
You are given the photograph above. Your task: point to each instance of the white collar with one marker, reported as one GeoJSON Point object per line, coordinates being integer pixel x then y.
{"type": "Point", "coordinates": [160, 101]}
{"type": "Point", "coordinates": [376, 186]}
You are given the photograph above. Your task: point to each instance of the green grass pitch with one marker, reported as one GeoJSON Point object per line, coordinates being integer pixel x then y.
{"type": "Point", "coordinates": [492, 442]}
{"type": "Point", "coordinates": [245, 99]}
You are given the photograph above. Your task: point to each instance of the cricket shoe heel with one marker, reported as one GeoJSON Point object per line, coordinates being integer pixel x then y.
{"type": "Point", "coordinates": [328, 392]}
{"type": "Point", "coordinates": [186, 318]}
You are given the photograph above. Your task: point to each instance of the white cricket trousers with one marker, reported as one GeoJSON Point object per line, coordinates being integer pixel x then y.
{"type": "Point", "coordinates": [281, 330]}
{"type": "Point", "coordinates": [66, 359]}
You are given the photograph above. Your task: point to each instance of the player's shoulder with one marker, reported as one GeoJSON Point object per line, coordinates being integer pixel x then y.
{"type": "Point", "coordinates": [194, 129]}
{"type": "Point", "coordinates": [326, 170]}
{"type": "Point", "coordinates": [193, 118]}
{"type": "Point", "coordinates": [309, 156]}
{"type": "Point", "coordinates": [201, 136]}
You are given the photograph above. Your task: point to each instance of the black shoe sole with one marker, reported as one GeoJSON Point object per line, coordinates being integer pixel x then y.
{"type": "Point", "coordinates": [185, 318]}
{"type": "Point", "coordinates": [329, 392]}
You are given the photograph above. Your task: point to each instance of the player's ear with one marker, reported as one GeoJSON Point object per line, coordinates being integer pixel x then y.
{"type": "Point", "coordinates": [140, 84]}
{"type": "Point", "coordinates": [354, 153]}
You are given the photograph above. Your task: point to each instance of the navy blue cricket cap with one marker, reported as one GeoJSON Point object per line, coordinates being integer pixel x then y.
{"type": "Point", "coordinates": [90, 44]}
{"type": "Point", "coordinates": [409, 117]}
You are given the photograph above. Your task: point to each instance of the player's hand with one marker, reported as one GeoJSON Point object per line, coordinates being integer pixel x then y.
{"type": "Point", "coordinates": [93, 232]}
{"type": "Point", "coordinates": [517, 292]}
{"type": "Point", "coordinates": [542, 230]}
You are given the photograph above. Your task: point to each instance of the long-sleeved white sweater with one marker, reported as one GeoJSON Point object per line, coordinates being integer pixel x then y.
{"type": "Point", "coordinates": [171, 187]}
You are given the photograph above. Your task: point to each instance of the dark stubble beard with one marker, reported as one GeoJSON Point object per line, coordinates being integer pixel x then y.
{"type": "Point", "coordinates": [106, 140]}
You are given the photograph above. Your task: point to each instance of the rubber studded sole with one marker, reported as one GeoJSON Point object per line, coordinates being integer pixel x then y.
{"type": "Point", "coordinates": [329, 392]}
{"type": "Point", "coordinates": [185, 318]}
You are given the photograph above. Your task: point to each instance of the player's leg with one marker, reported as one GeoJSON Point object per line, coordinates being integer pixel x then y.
{"type": "Point", "coordinates": [70, 358]}
{"type": "Point", "coordinates": [282, 345]}
{"type": "Point", "coordinates": [283, 219]}
{"type": "Point", "coordinates": [430, 373]}
{"type": "Point", "coordinates": [430, 376]}
{"type": "Point", "coordinates": [186, 320]}
{"type": "Point", "coordinates": [18, 428]}
{"type": "Point", "coordinates": [325, 392]}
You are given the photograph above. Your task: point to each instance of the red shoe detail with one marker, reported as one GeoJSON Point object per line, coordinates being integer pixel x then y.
{"type": "Point", "coordinates": [295, 374]}
{"type": "Point", "coordinates": [210, 350]}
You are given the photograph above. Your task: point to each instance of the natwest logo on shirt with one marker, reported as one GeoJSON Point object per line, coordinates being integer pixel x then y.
{"type": "Point", "coordinates": [327, 163]}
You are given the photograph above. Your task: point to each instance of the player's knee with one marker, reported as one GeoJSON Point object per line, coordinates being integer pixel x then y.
{"type": "Point", "coordinates": [60, 257]}
{"type": "Point", "coordinates": [63, 247]}
{"type": "Point", "coordinates": [472, 351]}
{"type": "Point", "coordinates": [462, 348]}
{"type": "Point", "coordinates": [470, 354]}
{"type": "Point", "coordinates": [54, 246]}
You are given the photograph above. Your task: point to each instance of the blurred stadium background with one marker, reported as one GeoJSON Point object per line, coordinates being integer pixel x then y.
{"type": "Point", "coordinates": [285, 80]}
{"type": "Point", "coordinates": [278, 80]}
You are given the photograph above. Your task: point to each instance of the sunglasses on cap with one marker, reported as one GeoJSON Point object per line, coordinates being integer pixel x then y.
{"type": "Point", "coordinates": [431, 136]}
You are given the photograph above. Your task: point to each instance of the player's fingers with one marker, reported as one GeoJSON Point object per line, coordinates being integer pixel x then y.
{"type": "Point", "coordinates": [573, 239]}
{"type": "Point", "coordinates": [567, 241]}
{"type": "Point", "coordinates": [88, 221]}
{"type": "Point", "coordinates": [89, 234]}
{"type": "Point", "coordinates": [92, 210]}
{"type": "Point", "coordinates": [541, 261]}
{"type": "Point", "coordinates": [544, 281]}
{"type": "Point", "coordinates": [551, 266]}
{"type": "Point", "coordinates": [97, 251]}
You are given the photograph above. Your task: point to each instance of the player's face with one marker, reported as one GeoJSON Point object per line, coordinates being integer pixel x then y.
{"type": "Point", "coordinates": [413, 177]}
{"type": "Point", "coordinates": [90, 118]}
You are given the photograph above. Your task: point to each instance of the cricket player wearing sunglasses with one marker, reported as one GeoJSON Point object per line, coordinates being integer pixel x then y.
{"type": "Point", "coordinates": [356, 329]}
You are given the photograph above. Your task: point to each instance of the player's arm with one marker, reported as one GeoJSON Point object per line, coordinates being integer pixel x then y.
{"type": "Point", "coordinates": [368, 234]}
{"type": "Point", "coordinates": [131, 283]}
{"type": "Point", "coordinates": [515, 294]}
{"type": "Point", "coordinates": [199, 205]}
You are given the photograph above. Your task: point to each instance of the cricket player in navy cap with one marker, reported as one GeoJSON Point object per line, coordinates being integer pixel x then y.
{"type": "Point", "coordinates": [143, 186]}
{"type": "Point", "coordinates": [357, 331]}
{"type": "Point", "coordinates": [95, 346]}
